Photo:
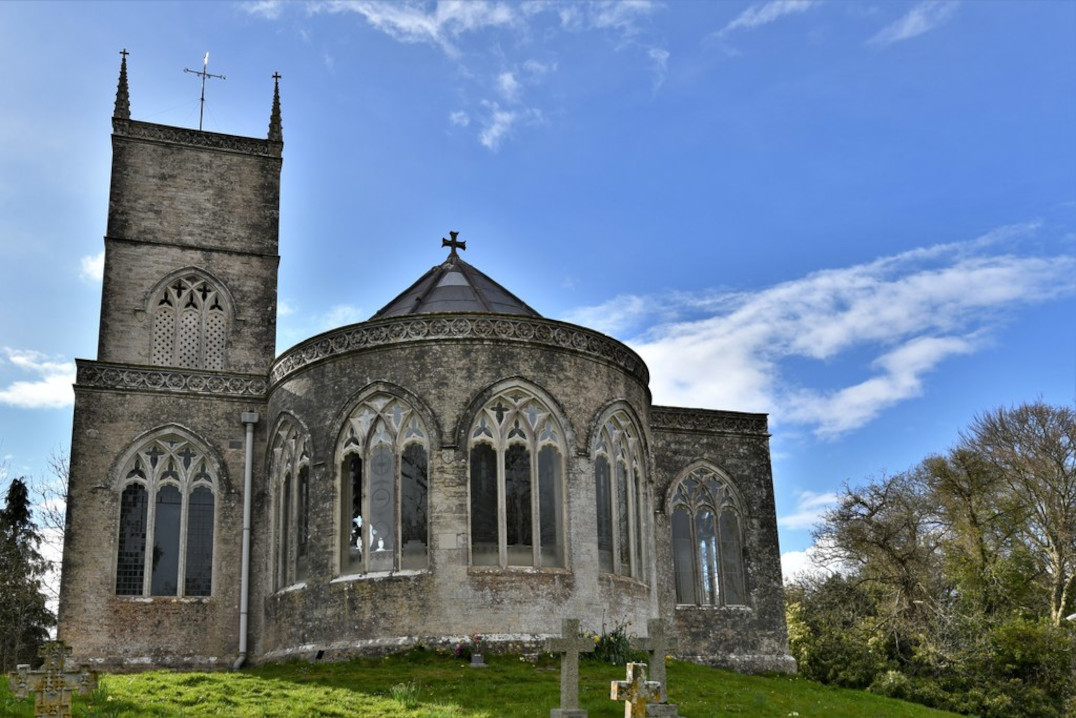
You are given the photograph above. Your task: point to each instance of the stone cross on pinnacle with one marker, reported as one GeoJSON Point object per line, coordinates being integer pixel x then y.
{"type": "Point", "coordinates": [453, 243]}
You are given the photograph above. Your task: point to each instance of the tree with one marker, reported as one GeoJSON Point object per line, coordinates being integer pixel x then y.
{"type": "Point", "coordinates": [1033, 449]}
{"type": "Point", "coordinates": [955, 577]}
{"type": "Point", "coordinates": [24, 616]}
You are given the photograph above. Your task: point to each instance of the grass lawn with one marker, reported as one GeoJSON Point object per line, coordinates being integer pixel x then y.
{"type": "Point", "coordinates": [431, 685]}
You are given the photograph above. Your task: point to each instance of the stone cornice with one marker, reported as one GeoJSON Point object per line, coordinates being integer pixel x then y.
{"type": "Point", "coordinates": [481, 327]}
{"type": "Point", "coordinates": [128, 377]}
{"type": "Point", "coordinates": [712, 422]}
{"type": "Point", "coordinates": [197, 138]}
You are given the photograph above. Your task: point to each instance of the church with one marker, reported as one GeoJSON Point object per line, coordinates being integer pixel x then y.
{"type": "Point", "coordinates": [455, 465]}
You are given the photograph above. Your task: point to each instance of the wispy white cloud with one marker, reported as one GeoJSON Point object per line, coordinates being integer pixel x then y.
{"type": "Point", "coordinates": [445, 23]}
{"type": "Point", "coordinates": [52, 388]}
{"type": "Point", "coordinates": [508, 86]}
{"type": "Point", "coordinates": [905, 313]}
{"type": "Point", "coordinates": [284, 308]}
{"type": "Point", "coordinates": [92, 268]}
{"type": "Point", "coordinates": [809, 509]}
{"type": "Point", "coordinates": [765, 13]}
{"type": "Point", "coordinates": [923, 17]}
{"type": "Point", "coordinates": [497, 124]}
{"type": "Point", "coordinates": [268, 9]}
{"type": "Point", "coordinates": [340, 315]}
{"type": "Point", "coordinates": [417, 23]}
{"type": "Point", "coordinates": [659, 66]}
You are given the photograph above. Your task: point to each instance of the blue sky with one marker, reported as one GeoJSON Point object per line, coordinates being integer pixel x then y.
{"type": "Point", "coordinates": [858, 217]}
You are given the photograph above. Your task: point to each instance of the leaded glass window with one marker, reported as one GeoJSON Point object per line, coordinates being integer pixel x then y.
{"type": "Point", "coordinates": [190, 324]}
{"type": "Point", "coordinates": [517, 497]}
{"type": "Point", "coordinates": [707, 544]}
{"type": "Point", "coordinates": [131, 562]}
{"type": "Point", "coordinates": [383, 487]}
{"type": "Point", "coordinates": [167, 495]}
{"type": "Point", "coordinates": [290, 479]}
{"type": "Point", "coordinates": [620, 497]}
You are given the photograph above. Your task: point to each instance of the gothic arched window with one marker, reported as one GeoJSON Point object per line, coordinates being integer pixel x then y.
{"type": "Point", "coordinates": [384, 487]}
{"type": "Point", "coordinates": [167, 510]}
{"type": "Point", "coordinates": [517, 494]}
{"type": "Point", "coordinates": [190, 321]}
{"type": "Point", "coordinates": [707, 545]}
{"type": "Point", "coordinates": [620, 494]}
{"type": "Point", "coordinates": [290, 474]}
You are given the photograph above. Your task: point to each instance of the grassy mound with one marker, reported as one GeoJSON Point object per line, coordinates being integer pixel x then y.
{"type": "Point", "coordinates": [424, 684]}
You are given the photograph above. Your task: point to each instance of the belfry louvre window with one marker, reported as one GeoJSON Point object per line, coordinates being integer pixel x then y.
{"type": "Point", "coordinates": [290, 475]}
{"type": "Point", "coordinates": [621, 499]}
{"type": "Point", "coordinates": [516, 484]}
{"type": "Point", "coordinates": [167, 510]}
{"type": "Point", "coordinates": [384, 488]}
{"type": "Point", "coordinates": [707, 545]}
{"type": "Point", "coordinates": [190, 320]}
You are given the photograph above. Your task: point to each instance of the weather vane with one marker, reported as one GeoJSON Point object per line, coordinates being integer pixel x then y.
{"type": "Point", "coordinates": [204, 73]}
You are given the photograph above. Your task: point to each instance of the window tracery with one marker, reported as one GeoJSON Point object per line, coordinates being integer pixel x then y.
{"type": "Point", "coordinates": [620, 497]}
{"type": "Point", "coordinates": [516, 484]}
{"type": "Point", "coordinates": [707, 541]}
{"type": "Point", "coordinates": [190, 321]}
{"type": "Point", "coordinates": [291, 480]}
{"type": "Point", "coordinates": [166, 527]}
{"type": "Point", "coordinates": [384, 487]}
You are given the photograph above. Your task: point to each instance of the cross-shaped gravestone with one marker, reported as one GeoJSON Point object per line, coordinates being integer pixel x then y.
{"type": "Point", "coordinates": [53, 685]}
{"type": "Point", "coordinates": [569, 646]}
{"type": "Point", "coordinates": [658, 645]}
{"type": "Point", "coordinates": [636, 692]}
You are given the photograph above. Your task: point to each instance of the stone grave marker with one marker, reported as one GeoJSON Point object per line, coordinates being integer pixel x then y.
{"type": "Point", "coordinates": [636, 691]}
{"type": "Point", "coordinates": [569, 645]}
{"type": "Point", "coordinates": [54, 683]}
{"type": "Point", "coordinates": [657, 645]}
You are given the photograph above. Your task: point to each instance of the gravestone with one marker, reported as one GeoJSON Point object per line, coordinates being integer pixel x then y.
{"type": "Point", "coordinates": [54, 683]}
{"type": "Point", "coordinates": [658, 644]}
{"type": "Point", "coordinates": [569, 646]}
{"type": "Point", "coordinates": [636, 691]}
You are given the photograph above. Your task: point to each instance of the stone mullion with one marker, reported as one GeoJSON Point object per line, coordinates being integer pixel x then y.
{"type": "Point", "coordinates": [184, 508]}
{"type": "Point", "coordinates": [630, 486]}
{"type": "Point", "coordinates": [151, 529]}
{"type": "Point", "coordinates": [614, 510]}
{"type": "Point", "coordinates": [397, 510]}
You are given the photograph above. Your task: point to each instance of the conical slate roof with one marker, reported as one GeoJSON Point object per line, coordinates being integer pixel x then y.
{"type": "Point", "coordinates": [453, 287]}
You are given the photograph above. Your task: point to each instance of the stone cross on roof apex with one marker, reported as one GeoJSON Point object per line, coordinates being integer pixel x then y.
{"type": "Point", "coordinates": [453, 243]}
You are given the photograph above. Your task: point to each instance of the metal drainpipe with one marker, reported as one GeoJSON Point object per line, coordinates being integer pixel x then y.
{"type": "Point", "coordinates": [249, 419]}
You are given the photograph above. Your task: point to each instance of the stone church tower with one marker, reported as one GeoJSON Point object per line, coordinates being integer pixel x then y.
{"type": "Point", "coordinates": [456, 464]}
{"type": "Point", "coordinates": [187, 335]}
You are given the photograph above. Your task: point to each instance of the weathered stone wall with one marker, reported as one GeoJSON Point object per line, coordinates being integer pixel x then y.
{"type": "Point", "coordinates": [179, 199]}
{"type": "Point", "coordinates": [178, 202]}
{"type": "Point", "coordinates": [129, 631]}
{"type": "Point", "coordinates": [750, 637]}
{"type": "Point", "coordinates": [451, 378]}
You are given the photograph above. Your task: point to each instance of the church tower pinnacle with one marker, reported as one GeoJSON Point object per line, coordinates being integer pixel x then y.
{"type": "Point", "coordinates": [276, 131]}
{"type": "Point", "coordinates": [123, 99]}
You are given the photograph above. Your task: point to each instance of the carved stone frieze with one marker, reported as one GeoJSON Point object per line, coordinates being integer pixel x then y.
{"type": "Point", "coordinates": [403, 330]}
{"type": "Point", "coordinates": [97, 375]}
{"type": "Point", "coordinates": [723, 422]}
{"type": "Point", "coordinates": [198, 138]}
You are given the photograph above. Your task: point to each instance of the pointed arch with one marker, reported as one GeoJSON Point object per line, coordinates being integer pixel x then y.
{"type": "Point", "coordinates": [618, 449]}
{"type": "Point", "coordinates": [289, 482]}
{"type": "Point", "coordinates": [382, 455]}
{"type": "Point", "coordinates": [517, 443]}
{"type": "Point", "coordinates": [168, 481]}
{"type": "Point", "coordinates": [706, 519]}
{"type": "Point", "coordinates": [192, 312]}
